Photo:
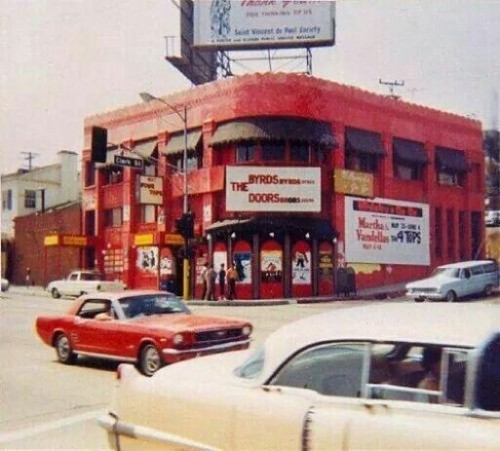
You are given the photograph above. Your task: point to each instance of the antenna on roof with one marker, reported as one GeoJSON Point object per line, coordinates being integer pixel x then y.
{"type": "Point", "coordinates": [30, 156]}
{"type": "Point", "coordinates": [392, 85]}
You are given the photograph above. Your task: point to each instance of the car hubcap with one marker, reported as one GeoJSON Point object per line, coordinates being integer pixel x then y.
{"type": "Point", "coordinates": [63, 348]}
{"type": "Point", "coordinates": [151, 360]}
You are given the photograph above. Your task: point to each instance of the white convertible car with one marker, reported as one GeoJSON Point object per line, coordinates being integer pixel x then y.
{"type": "Point", "coordinates": [353, 378]}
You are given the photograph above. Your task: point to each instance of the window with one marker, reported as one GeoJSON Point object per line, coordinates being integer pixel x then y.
{"type": "Point", "coordinates": [334, 369]}
{"type": "Point", "coordinates": [246, 152]}
{"type": "Point", "coordinates": [89, 173]}
{"type": "Point", "coordinates": [30, 198]}
{"type": "Point", "coordinates": [409, 159]}
{"type": "Point", "coordinates": [193, 162]}
{"type": "Point", "coordinates": [113, 217]}
{"type": "Point", "coordinates": [361, 162]}
{"type": "Point", "coordinates": [149, 169]}
{"type": "Point", "coordinates": [451, 167]}
{"type": "Point", "coordinates": [148, 213]}
{"type": "Point", "coordinates": [363, 150]}
{"type": "Point", "coordinates": [273, 151]}
{"type": "Point", "coordinates": [299, 151]}
{"type": "Point", "coordinates": [7, 199]}
{"type": "Point", "coordinates": [113, 174]}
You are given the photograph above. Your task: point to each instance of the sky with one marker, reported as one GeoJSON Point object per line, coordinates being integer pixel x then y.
{"type": "Point", "coordinates": [64, 60]}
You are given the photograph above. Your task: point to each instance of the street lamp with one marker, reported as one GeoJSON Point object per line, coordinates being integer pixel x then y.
{"type": "Point", "coordinates": [147, 97]}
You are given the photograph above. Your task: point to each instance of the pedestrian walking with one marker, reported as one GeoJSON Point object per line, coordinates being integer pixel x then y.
{"type": "Point", "coordinates": [222, 282]}
{"type": "Point", "coordinates": [232, 276]}
{"type": "Point", "coordinates": [203, 276]}
{"type": "Point", "coordinates": [211, 277]}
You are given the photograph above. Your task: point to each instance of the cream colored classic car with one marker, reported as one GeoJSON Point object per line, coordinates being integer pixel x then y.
{"type": "Point", "coordinates": [353, 378]}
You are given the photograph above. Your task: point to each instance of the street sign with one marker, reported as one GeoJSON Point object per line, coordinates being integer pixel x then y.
{"type": "Point", "coordinates": [127, 161]}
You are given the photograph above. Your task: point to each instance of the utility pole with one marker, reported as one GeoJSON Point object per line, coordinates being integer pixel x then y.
{"type": "Point", "coordinates": [392, 85]}
{"type": "Point", "coordinates": [30, 157]}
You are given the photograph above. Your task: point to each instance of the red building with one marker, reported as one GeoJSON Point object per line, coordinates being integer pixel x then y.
{"type": "Point", "coordinates": [290, 177]}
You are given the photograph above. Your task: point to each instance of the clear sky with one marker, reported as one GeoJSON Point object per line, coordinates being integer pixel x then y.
{"type": "Point", "coordinates": [64, 60]}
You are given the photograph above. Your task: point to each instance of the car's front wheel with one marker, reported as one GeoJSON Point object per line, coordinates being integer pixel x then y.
{"type": "Point", "coordinates": [150, 360]}
{"type": "Point", "coordinates": [55, 293]}
{"type": "Point", "coordinates": [64, 350]}
{"type": "Point", "coordinates": [451, 296]}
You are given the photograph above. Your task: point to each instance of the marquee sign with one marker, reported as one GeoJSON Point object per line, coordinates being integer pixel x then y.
{"type": "Point", "coordinates": [151, 190]}
{"type": "Point", "coordinates": [386, 231]}
{"type": "Point", "coordinates": [262, 188]}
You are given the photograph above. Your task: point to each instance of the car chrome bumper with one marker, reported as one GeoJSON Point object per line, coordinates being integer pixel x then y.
{"type": "Point", "coordinates": [207, 349]}
{"type": "Point", "coordinates": [425, 295]}
{"type": "Point", "coordinates": [142, 434]}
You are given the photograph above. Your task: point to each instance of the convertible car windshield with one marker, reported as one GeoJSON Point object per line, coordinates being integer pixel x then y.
{"type": "Point", "coordinates": [147, 305]}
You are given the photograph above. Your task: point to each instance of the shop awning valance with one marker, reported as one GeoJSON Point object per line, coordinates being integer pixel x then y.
{"type": "Point", "coordinates": [316, 227]}
{"type": "Point", "coordinates": [451, 160]}
{"type": "Point", "coordinates": [275, 128]}
{"type": "Point", "coordinates": [409, 152]}
{"type": "Point", "coordinates": [362, 141]}
{"type": "Point", "coordinates": [176, 142]}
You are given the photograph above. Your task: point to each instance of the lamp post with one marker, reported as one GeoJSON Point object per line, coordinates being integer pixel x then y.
{"type": "Point", "coordinates": [146, 97]}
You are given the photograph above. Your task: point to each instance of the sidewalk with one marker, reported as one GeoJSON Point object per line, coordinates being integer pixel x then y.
{"type": "Point", "coordinates": [379, 293]}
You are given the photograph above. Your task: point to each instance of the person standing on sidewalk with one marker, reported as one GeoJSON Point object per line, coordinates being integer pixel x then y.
{"type": "Point", "coordinates": [203, 276]}
{"type": "Point", "coordinates": [222, 282]}
{"type": "Point", "coordinates": [232, 276]}
{"type": "Point", "coordinates": [211, 277]}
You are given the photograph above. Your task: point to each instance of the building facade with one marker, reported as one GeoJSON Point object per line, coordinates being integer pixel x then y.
{"type": "Point", "coordinates": [289, 177]}
{"type": "Point", "coordinates": [25, 192]}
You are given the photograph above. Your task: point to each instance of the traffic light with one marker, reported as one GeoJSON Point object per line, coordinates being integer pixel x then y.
{"type": "Point", "coordinates": [185, 225]}
{"type": "Point", "coordinates": [99, 144]}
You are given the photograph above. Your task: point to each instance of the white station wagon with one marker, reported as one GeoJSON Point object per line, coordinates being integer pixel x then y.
{"type": "Point", "coordinates": [348, 379]}
{"type": "Point", "coordinates": [456, 281]}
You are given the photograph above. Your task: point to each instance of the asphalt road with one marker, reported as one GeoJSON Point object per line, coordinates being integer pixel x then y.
{"type": "Point", "coordinates": [46, 405]}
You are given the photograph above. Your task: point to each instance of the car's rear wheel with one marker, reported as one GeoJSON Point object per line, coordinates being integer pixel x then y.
{"type": "Point", "coordinates": [488, 290]}
{"type": "Point", "coordinates": [64, 350]}
{"type": "Point", "coordinates": [419, 299]}
{"type": "Point", "coordinates": [55, 293]}
{"type": "Point", "coordinates": [451, 296]}
{"type": "Point", "coordinates": [150, 360]}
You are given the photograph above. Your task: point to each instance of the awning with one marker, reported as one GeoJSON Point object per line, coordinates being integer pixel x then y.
{"type": "Point", "coordinates": [316, 227]}
{"type": "Point", "coordinates": [409, 152]}
{"type": "Point", "coordinates": [176, 142]}
{"type": "Point", "coordinates": [275, 128]}
{"type": "Point", "coordinates": [145, 149]}
{"type": "Point", "coordinates": [451, 160]}
{"type": "Point", "coordinates": [363, 141]}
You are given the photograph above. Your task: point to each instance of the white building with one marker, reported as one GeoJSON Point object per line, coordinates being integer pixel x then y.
{"type": "Point", "coordinates": [26, 192]}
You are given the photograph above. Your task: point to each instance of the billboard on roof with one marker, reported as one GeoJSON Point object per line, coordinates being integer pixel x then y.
{"type": "Point", "coordinates": [253, 24]}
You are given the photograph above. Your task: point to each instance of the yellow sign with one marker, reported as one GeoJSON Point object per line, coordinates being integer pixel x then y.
{"type": "Point", "coordinates": [73, 240]}
{"type": "Point", "coordinates": [51, 240]}
{"type": "Point", "coordinates": [173, 238]}
{"type": "Point", "coordinates": [143, 239]}
{"type": "Point", "coordinates": [353, 183]}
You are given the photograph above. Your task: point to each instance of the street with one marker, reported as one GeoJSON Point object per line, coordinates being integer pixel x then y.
{"type": "Point", "coordinates": [47, 405]}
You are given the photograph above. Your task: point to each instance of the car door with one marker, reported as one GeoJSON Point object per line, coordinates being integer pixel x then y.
{"type": "Point", "coordinates": [93, 334]}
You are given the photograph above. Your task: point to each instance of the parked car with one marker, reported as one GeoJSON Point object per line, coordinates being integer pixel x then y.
{"type": "Point", "coordinates": [148, 328]}
{"type": "Point", "coordinates": [347, 379]}
{"type": "Point", "coordinates": [5, 284]}
{"type": "Point", "coordinates": [456, 281]}
{"type": "Point", "coordinates": [492, 218]}
{"type": "Point", "coordinates": [81, 282]}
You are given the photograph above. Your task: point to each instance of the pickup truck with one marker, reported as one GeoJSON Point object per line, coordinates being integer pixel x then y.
{"type": "Point", "coordinates": [82, 282]}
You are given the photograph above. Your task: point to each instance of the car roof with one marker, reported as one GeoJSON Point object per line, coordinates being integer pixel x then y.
{"type": "Point", "coordinates": [462, 325]}
{"type": "Point", "coordinates": [466, 263]}
{"type": "Point", "coordinates": [124, 294]}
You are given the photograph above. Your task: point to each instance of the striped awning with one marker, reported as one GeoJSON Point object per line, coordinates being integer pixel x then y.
{"type": "Point", "coordinates": [145, 149]}
{"type": "Point", "coordinates": [274, 128]}
{"type": "Point", "coordinates": [363, 141]}
{"type": "Point", "coordinates": [176, 142]}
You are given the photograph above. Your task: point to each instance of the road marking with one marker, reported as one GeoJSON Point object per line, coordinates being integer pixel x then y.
{"type": "Point", "coordinates": [7, 437]}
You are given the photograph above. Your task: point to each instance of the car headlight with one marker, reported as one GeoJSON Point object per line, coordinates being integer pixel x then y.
{"type": "Point", "coordinates": [178, 339]}
{"type": "Point", "coordinates": [247, 330]}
